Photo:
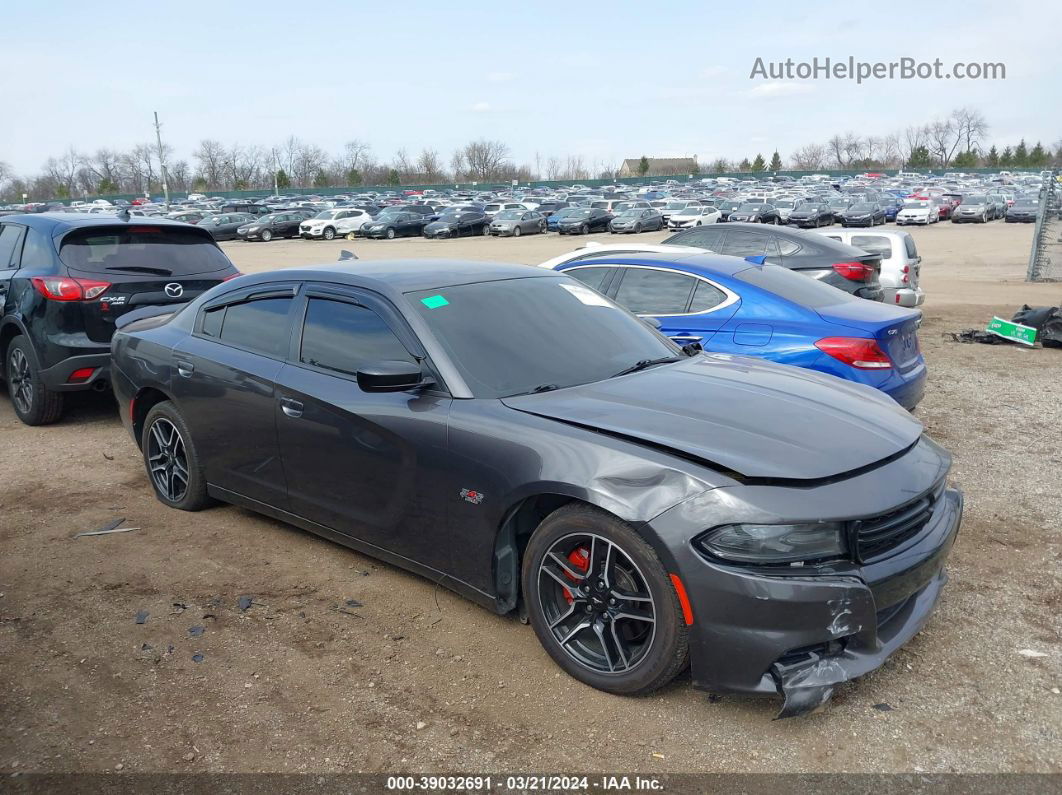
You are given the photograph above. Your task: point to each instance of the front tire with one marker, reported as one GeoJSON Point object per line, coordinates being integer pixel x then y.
{"type": "Point", "coordinates": [266, 235]}
{"type": "Point", "coordinates": [171, 460]}
{"type": "Point", "coordinates": [584, 229]}
{"type": "Point", "coordinates": [329, 234]}
{"type": "Point", "coordinates": [33, 402]}
{"type": "Point", "coordinates": [517, 231]}
{"type": "Point", "coordinates": [390, 234]}
{"type": "Point", "coordinates": [602, 604]}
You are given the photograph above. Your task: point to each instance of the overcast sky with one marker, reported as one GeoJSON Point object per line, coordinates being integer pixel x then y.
{"type": "Point", "coordinates": [605, 80]}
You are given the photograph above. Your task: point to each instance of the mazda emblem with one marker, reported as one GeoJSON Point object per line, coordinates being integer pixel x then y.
{"type": "Point", "coordinates": [174, 290]}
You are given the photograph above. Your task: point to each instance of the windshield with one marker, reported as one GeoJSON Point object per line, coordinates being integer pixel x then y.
{"type": "Point", "coordinates": [979, 199]}
{"type": "Point", "coordinates": [327, 215]}
{"type": "Point", "coordinates": [862, 208]}
{"type": "Point", "coordinates": [915, 203]}
{"type": "Point", "coordinates": [676, 205]}
{"type": "Point", "coordinates": [557, 333]}
{"type": "Point", "coordinates": [578, 213]}
{"type": "Point", "coordinates": [749, 208]}
{"type": "Point", "coordinates": [565, 213]}
{"type": "Point", "coordinates": [509, 215]}
{"type": "Point", "coordinates": [165, 251]}
{"type": "Point", "coordinates": [633, 211]}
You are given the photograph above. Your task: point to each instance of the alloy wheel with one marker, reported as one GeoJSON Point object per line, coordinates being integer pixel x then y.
{"type": "Point", "coordinates": [21, 381]}
{"type": "Point", "coordinates": [596, 603]}
{"type": "Point", "coordinates": [167, 460]}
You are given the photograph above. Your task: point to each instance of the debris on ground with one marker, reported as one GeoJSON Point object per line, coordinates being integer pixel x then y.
{"type": "Point", "coordinates": [353, 603]}
{"type": "Point", "coordinates": [1031, 653]}
{"type": "Point", "coordinates": [107, 529]}
{"type": "Point", "coordinates": [197, 657]}
{"type": "Point", "coordinates": [883, 707]}
{"type": "Point", "coordinates": [142, 616]}
{"type": "Point", "coordinates": [1030, 324]}
{"type": "Point", "coordinates": [245, 602]}
{"type": "Point", "coordinates": [196, 631]}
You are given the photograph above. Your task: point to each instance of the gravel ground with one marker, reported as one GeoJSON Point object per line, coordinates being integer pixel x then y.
{"type": "Point", "coordinates": [418, 679]}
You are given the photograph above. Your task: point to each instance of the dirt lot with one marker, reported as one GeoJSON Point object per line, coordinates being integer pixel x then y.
{"type": "Point", "coordinates": [419, 679]}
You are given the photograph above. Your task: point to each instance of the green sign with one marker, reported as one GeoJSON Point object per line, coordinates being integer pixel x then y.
{"type": "Point", "coordinates": [1015, 332]}
{"type": "Point", "coordinates": [434, 301]}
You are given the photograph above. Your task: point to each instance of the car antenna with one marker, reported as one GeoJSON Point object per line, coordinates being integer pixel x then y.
{"type": "Point", "coordinates": [345, 255]}
{"type": "Point", "coordinates": [123, 214]}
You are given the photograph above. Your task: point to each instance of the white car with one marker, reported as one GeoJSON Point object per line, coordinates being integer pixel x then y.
{"type": "Point", "coordinates": [698, 215]}
{"type": "Point", "coordinates": [901, 264]}
{"type": "Point", "coordinates": [593, 250]}
{"type": "Point", "coordinates": [916, 211]}
{"type": "Point", "coordinates": [330, 224]}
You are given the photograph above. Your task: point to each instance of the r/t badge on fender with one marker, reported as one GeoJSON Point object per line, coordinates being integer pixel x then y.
{"type": "Point", "coordinates": [472, 496]}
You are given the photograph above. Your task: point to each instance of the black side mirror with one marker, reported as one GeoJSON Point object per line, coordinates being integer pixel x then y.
{"type": "Point", "coordinates": [391, 376]}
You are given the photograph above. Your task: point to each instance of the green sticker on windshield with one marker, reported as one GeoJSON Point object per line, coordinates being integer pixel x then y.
{"type": "Point", "coordinates": [434, 301]}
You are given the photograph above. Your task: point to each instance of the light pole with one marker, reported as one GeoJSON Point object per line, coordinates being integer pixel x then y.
{"type": "Point", "coordinates": [162, 162]}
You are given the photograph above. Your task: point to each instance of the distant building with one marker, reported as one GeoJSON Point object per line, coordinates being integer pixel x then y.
{"type": "Point", "coordinates": [660, 166]}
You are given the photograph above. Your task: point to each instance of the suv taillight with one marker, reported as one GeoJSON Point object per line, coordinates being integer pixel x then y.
{"type": "Point", "coordinates": [62, 288]}
{"type": "Point", "coordinates": [854, 271]}
{"type": "Point", "coordinates": [858, 352]}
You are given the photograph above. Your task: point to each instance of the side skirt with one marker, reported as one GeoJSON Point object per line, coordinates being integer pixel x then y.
{"type": "Point", "coordinates": [434, 575]}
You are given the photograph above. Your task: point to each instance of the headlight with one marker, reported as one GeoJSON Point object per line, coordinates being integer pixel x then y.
{"type": "Point", "coordinates": [774, 543]}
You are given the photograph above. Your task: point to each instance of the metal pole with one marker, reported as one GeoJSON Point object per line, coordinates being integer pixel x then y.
{"type": "Point", "coordinates": [162, 162]}
{"type": "Point", "coordinates": [276, 190]}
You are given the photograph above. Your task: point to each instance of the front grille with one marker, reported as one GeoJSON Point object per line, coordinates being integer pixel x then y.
{"type": "Point", "coordinates": [878, 535]}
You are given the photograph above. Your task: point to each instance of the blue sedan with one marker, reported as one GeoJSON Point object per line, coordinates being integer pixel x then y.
{"type": "Point", "coordinates": [731, 305]}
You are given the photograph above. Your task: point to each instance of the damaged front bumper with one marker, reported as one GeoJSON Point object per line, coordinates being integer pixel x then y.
{"type": "Point", "coordinates": [802, 631]}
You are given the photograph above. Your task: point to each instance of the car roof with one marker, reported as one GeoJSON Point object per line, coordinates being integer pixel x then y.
{"type": "Point", "coordinates": [60, 223]}
{"type": "Point", "coordinates": [402, 276]}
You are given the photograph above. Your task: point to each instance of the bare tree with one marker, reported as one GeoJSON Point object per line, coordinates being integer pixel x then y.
{"type": "Point", "coordinates": [971, 127]}
{"type": "Point", "coordinates": [553, 168]}
{"type": "Point", "coordinates": [485, 159]}
{"type": "Point", "coordinates": [457, 165]}
{"type": "Point", "coordinates": [809, 158]}
{"type": "Point", "coordinates": [943, 137]}
{"type": "Point", "coordinates": [914, 137]}
{"type": "Point", "coordinates": [180, 175]}
{"type": "Point", "coordinates": [429, 166]}
{"type": "Point", "coordinates": [210, 156]}
{"type": "Point", "coordinates": [354, 154]}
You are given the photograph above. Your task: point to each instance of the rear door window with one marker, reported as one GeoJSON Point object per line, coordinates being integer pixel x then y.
{"type": "Point", "coordinates": [745, 244]}
{"type": "Point", "coordinates": [142, 248]}
{"type": "Point", "coordinates": [10, 235]}
{"type": "Point", "coordinates": [37, 251]}
{"type": "Point", "coordinates": [912, 252]}
{"type": "Point", "coordinates": [703, 238]}
{"type": "Point", "coordinates": [260, 326]}
{"type": "Point", "coordinates": [653, 292]}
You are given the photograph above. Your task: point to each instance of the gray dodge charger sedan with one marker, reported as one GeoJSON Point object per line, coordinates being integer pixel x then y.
{"type": "Point", "coordinates": [516, 436]}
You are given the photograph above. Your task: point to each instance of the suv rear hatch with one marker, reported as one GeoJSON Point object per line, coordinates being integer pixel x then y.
{"type": "Point", "coordinates": [142, 264]}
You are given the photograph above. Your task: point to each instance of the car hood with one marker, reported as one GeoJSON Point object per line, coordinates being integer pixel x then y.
{"type": "Point", "coordinates": [751, 417]}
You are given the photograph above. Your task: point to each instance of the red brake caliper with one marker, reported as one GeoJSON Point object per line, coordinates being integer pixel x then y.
{"type": "Point", "coordinates": [580, 559]}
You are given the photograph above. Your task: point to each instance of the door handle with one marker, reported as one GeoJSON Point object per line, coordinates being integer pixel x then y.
{"type": "Point", "coordinates": [185, 369]}
{"type": "Point", "coordinates": [292, 408]}
{"type": "Point", "coordinates": [686, 339]}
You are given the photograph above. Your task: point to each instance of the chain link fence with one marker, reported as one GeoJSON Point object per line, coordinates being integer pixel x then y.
{"type": "Point", "coordinates": [1045, 259]}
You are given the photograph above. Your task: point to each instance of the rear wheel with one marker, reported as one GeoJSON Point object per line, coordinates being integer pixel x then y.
{"type": "Point", "coordinates": [171, 460]}
{"type": "Point", "coordinates": [33, 402]}
{"type": "Point", "coordinates": [602, 604]}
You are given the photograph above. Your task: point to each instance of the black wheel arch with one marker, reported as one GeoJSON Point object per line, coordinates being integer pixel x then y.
{"type": "Point", "coordinates": [11, 327]}
{"type": "Point", "coordinates": [146, 398]}
{"type": "Point", "coordinates": [521, 520]}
